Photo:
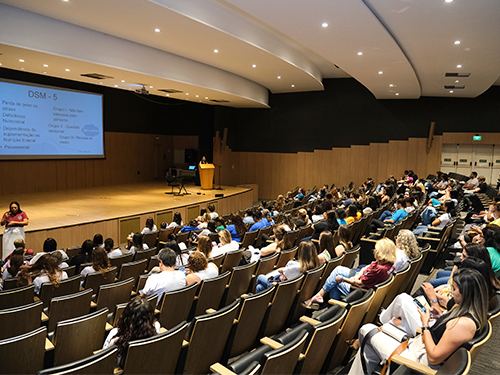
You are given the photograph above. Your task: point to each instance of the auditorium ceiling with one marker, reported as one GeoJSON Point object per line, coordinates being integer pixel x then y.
{"type": "Point", "coordinates": [234, 52]}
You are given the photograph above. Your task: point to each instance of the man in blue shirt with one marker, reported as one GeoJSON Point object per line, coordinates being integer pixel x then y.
{"type": "Point", "coordinates": [259, 222]}
{"type": "Point", "coordinates": [396, 216]}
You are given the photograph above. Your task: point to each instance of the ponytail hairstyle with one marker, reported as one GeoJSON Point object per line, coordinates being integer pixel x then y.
{"type": "Point", "coordinates": [344, 233]}
{"type": "Point", "coordinates": [283, 242]}
{"type": "Point", "coordinates": [303, 215]}
{"type": "Point", "coordinates": [307, 256]}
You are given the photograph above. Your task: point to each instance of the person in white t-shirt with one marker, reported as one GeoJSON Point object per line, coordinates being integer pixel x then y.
{"type": "Point", "coordinates": [150, 226]}
{"type": "Point", "coordinates": [226, 244]}
{"type": "Point", "coordinates": [46, 268]}
{"type": "Point", "coordinates": [211, 211]}
{"type": "Point", "coordinates": [199, 268]}
{"type": "Point", "coordinates": [109, 245]}
{"type": "Point", "coordinates": [168, 279]}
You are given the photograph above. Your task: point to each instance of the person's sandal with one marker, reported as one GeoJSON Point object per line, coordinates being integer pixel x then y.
{"type": "Point", "coordinates": [312, 306]}
{"type": "Point", "coordinates": [353, 343]}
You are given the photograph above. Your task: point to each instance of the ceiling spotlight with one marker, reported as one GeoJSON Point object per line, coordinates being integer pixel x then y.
{"type": "Point", "coordinates": [45, 65]}
{"type": "Point", "coordinates": [187, 93]}
{"type": "Point", "coordinates": [206, 97]}
{"type": "Point", "coordinates": [456, 81]}
{"type": "Point", "coordinates": [380, 72]}
{"type": "Point", "coordinates": [197, 96]}
{"type": "Point", "coordinates": [254, 66]}
{"type": "Point", "coordinates": [216, 51]}
{"type": "Point", "coordinates": [21, 60]}
{"type": "Point", "coordinates": [451, 91]}
{"type": "Point", "coordinates": [457, 41]}
{"type": "Point", "coordinates": [123, 80]}
{"type": "Point", "coordinates": [360, 53]}
{"type": "Point", "coordinates": [324, 24]}
{"type": "Point", "coordinates": [157, 30]}
{"type": "Point", "coordinates": [279, 77]}
{"type": "Point", "coordinates": [448, 1]}
{"type": "Point", "coordinates": [66, 70]}
{"type": "Point", "coordinates": [116, 85]}
{"type": "Point", "coordinates": [150, 87]}
{"type": "Point", "coordinates": [459, 66]}
{"type": "Point", "coordinates": [397, 93]}
{"type": "Point", "coordinates": [391, 85]}
{"type": "Point", "coordinates": [293, 85]}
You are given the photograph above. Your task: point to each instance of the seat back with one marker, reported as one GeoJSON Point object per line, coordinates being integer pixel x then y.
{"type": "Point", "coordinates": [96, 279]}
{"type": "Point", "coordinates": [118, 261]}
{"type": "Point", "coordinates": [207, 339]}
{"type": "Point", "coordinates": [145, 254]}
{"type": "Point", "coordinates": [176, 305]}
{"type": "Point", "coordinates": [413, 263]}
{"type": "Point", "coordinates": [157, 354]}
{"type": "Point", "coordinates": [303, 233]}
{"type": "Point", "coordinates": [70, 271]}
{"type": "Point", "coordinates": [292, 235]}
{"type": "Point", "coordinates": [286, 256]}
{"type": "Point", "coordinates": [381, 290]}
{"type": "Point", "coordinates": [330, 266]}
{"type": "Point", "coordinates": [110, 295]}
{"type": "Point", "coordinates": [10, 283]}
{"type": "Point", "coordinates": [132, 269]}
{"type": "Point", "coordinates": [350, 256]}
{"type": "Point", "coordinates": [214, 237]}
{"type": "Point", "coordinates": [307, 290]}
{"type": "Point", "coordinates": [479, 340]}
{"type": "Point", "coordinates": [163, 236]}
{"type": "Point", "coordinates": [152, 299]}
{"type": "Point", "coordinates": [73, 251]}
{"type": "Point", "coordinates": [240, 280]}
{"type": "Point", "coordinates": [103, 363]}
{"type": "Point", "coordinates": [284, 359]}
{"type": "Point", "coordinates": [250, 318]}
{"type": "Point", "coordinates": [20, 320]}
{"type": "Point", "coordinates": [218, 259]}
{"type": "Point", "coordinates": [494, 308]}
{"type": "Point", "coordinates": [69, 286]}
{"type": "Point", "coordinates": [231, 260]}
{"type": "Point", "coordinates": [266, 264]}
{"type": "Point", "coordinates": [417, 267]}
{"type": "Point", "coordinates": [77, 338]}
{"type": "Point", "coordinates": [150, 239]}
{"type": "Point", "coordinates": [23, 354]}
{"type": "Point", "coordinates": [457, 364]}
{"type": "Point", "coordinates": [68, 307]}
{"type": "Point", "coordinates": [17, 297]}
{"type": "Point", "coordinates": [283, 299]}
{"type": "Point", "coordinates": [210, 293]}
{"type": "Point", "coordinates": [248, 239]}
{"type": "Point", "coordinates": [399, 278]}
{"type": "Point", "coordinates": [183, 237]}
{"type": "Point", "coordinates": [348, 330]}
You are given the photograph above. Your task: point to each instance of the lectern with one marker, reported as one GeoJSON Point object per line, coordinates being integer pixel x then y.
{"type": "Point", "coordinates": [206, 176]}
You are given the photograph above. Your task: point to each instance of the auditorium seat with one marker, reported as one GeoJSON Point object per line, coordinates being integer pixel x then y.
{"type": "Point", "coordinates": [457, 364]}
{"type": "Point", "coordinates": [110, 295]}
{"type": "Point", "coordinates": [232, 259]}
{"type": "Point", "coordinates": [175, 306]}
{"type": "Point", "coordinates": [152, 299]}
{"type": "Point", "coordinates": [118, 261]}
{"type": "Point", "coordinates": [70, 271]}
{"type": "Point", "coordinates": [350, 257]}
{"type": "Point", "coordinates": [286, 256]}
{"type": "Point", "coordinates": [307, 290]}
{"type": "Point", "coordinates": [96, 279]}
{"type": "Point", "coordinates": [150, 239]}
{"type": "Point", "coordinates": [416, 269]}
{"type": "Point", "coordinates": [248, 239]}
{"type": "Point", "coordinates": [399, 278]}
{"type": "Point", "coordinates": [101, 363]}
{"type": "Point", "coordinates": [20, 320]}
{"type": "Point", "coordinates": [266, 264]}
{"type": "Point", "coordinates": [73, 251]}
{"type": "Point", "coordinates": [210, 293]}
{"type": "Point", "coordinates": [381, 290]}
{"type": "Point", "coordinates": [23, 354]}
{"type": "Point", "coordinates": [239, 283]}
{"type": "Point", "coordinates": [11, 283]}
{"type": "Point", "coordinates": [132, 269]}
{"type": "Point", "coordinates": [69, 286]}
{"type": "Point", "coordinates": [330, 266]}
{"type": "Point", "coordinates": [163, 236]}
{"type": "Point", "coordinates": [17, 297]}
{"type": "Point", "coordinates": [68, 307]}
{"type": "Point", "coordinates": [145, 254]}
{"type": "Point", "coordinates": [217, 260]}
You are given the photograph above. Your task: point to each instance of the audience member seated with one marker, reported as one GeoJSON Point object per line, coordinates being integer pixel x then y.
{"type": "Point", "coordinates": [205, 246]}
{"type": "Point", "coordinates": [406, 248]}
{"type": "Point", "coordinates": [237, 228]}
{"type": "Point", "coordinates": [11, 271]}
{"type": "Point", "coordinates": [281, 242]}
{"type": "Point", "coordinates": [98, 240]}
{"type": "Point", "coordinates": [326, 246]}
{"type": "Point", "coordinates": [226, 244]}
{"type": "Point", "coordinates": [248, 219]}
{"type": "Point", "coordinates": [181, 257]}
{"type": "Point", "coordinates": [199, 268]}
{"type": "Point", "coordinates": [193, 225]}
{"type": "Point", "coordinates": [59, 259]}
{"type": "Point", "coordinates": [84, 256]}
{"type": "Point", "coordinates": [303, 219]}
{"type": "Point", "coordinates": [137, 322]}
{"type": "Point", "coordinates": [259, 222]}
{"type": "Point", "coordinates": [176, 222]}
{"type": "Point", "coordinates": [168, 278]}
{"type": "Point", "coordinates": [369, 205]}
{"type": "Point", "coordinates": [340, 280]}
{"type": "Point", "coordinates": [109, 245]}
{"type": "Point", "coordinates": [398, 215]}
{"type": "Point", "coordinates": [327, 203]}
{"type": "Point", "coordinates": [44, 270]}
{"type": "Point", "coordinates": [19, 244]}
{"type": "Point", "coordinates": [150, 226]}
{"type": "Point", "coordinates": [307, 259]}
{"type": "Point", "coordinates": [137, 243]}
{"type": "Point", "coordinates": [49, 246]}
{"type": "Point", "coordinates": [211, 212]}
{"type": "Point", "coordinates": [436, 343]}
{"type": "Point", "coordinates": [100, 263]}
{"type": "Point", "coordinates": [318, 214]}
{"type": "Point", "coordinates": [344, 232]}
{"type": "Point", "coordinates": [352, 214]}
{"type": "Point", "coordinates": [210, 229]}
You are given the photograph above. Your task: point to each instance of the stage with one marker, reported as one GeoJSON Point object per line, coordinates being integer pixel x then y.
{"type": "Point", "coordinates": [73, 216]}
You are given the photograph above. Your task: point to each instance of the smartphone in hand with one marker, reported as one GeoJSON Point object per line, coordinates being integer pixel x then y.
{"type": "Point", "coordinates": [419, 304]}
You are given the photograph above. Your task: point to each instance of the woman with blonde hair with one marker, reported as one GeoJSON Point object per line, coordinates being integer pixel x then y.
{"type": "Point", "coordinates": [307, 259]}
{"type": "Point", "coordinates": [100, 262]}
{"type": "Point", "coordinates": [406, 248]}
{"type": "Point", "coordinates": [340, 280]}
{"type": "Point", "coordinates": [226, 244]}
{"type": "Point", "coordinates": [281, 242]}
{"type": "Point", "coordinates": [303, 219]}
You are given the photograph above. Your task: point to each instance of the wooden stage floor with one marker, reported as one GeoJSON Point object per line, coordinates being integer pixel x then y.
{"type": "Point", "coordinates": [56, 209]}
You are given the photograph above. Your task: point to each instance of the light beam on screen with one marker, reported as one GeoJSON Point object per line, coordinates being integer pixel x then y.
{"type": "Point", "coordinates": [43, 122]}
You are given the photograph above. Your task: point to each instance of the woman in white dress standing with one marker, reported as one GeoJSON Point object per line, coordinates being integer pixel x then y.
{"type": "Point", "coordinates": [14, 221]}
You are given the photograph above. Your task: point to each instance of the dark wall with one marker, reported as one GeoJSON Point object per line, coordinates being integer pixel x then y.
{"type": "Point", "coordinates": [346, 113]}
{"type": "Point", "coordinates": [128, 112]}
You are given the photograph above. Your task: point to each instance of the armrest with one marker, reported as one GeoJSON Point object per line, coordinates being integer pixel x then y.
{"type": "Point", "coordinates": [185, 343]}
{"type": "Point", "coordinates": [220, 369]}
{"type": "Point", "coordinates": [273, 344]}
{"type": "Point", "coordinates": [44, 317]}
{"type": "Point", "coordinates": [336, 302]}
{"type": "Point", "coordinates": [117, 371]}
{"type": "Point", "coordinates": [368, 240]}
{"type": "Point", "coordinates": [434, 229]}
{"type": "Point", "coordinates": [48, 345]}
{"type": "Point", "coordinates": [413, 365]}
{"type": "Point", "coordinates": [311, 321]}
{"type": "Point", "coordinates": [432, 239]}
{"type": "Point", "coordinates": [210, 311]}
{"type": "Point", "coordinates": [163, 330]}
{"type": "Point", "coordinates": [108, 327]}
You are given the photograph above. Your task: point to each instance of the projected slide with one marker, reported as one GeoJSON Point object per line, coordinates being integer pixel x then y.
{"type": "Point", "coordinates": [40, 122]}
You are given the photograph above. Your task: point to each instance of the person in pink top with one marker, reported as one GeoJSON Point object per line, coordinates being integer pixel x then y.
{"type": "Point", "coordinates": [14, 221]}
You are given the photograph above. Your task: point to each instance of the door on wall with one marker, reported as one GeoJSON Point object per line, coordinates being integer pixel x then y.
{"type": "Point", "coordinates": [495, 165]}
{"type": "Point", "coordinates": [448, 158]}
{"type": "Point", "coordinates": [464, 159]}
{"type": "Point", "coordinates": [482, 164]}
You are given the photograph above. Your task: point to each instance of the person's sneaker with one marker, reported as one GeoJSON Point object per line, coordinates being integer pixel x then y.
{"type": "Point", "coordinates": [456, 245]}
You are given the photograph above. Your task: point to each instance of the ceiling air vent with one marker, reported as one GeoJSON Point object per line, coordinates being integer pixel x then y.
{"type": "Point", "coordinates": [219, 100]}
{"type": "Point", "coordinates": [96, 76]}
{"type": "Point", "coordinates": [453, 87]}
{"type": "Point", "coordinates": [171, 91]}
{"type": "Point", "coordinates": [457, 74]}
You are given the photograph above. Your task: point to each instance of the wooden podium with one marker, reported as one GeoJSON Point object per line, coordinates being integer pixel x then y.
{"type": "Point", "coordinates": [206, 176]}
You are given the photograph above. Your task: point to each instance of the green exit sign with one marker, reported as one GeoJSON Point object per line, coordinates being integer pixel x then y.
{"type": "Point", "coordinates": [476, 138]}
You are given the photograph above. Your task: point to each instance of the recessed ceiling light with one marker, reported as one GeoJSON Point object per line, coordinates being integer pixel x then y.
{"type": "Point", "coordinates": [45, 65]}
{"type": "Point", "coordinates": [279, 77]}
{"type": "Point", "coordinates": [360, 53]}
{"type": "Point", "coordinates": [206, 97]}
{"type": "Point", "coordinates": [457, 41]}
{"type": "Point", "coordinates": [391, 85]}
{"type": "Point", "coordinates": [456, 81]}
{"type": "Point", "coordinates": [187, 93]}
{"type": "Point", "coordinates": [43, 72]}
{"type": "Point", "coordinates": [150, 87]}
{"type": "Point", "coordinates": [448, 1]}
{"type": "Point", "coordinates": [216, 51]}
{"type": "Point", "coordinates": [116, 85]}
{"type": "Point", "coordinates": [157, 30]}
{"type": "Point", "coordinates": [66, 1]}
{"type": "Point", "coordinates": [459, 66]}
{"type": "Point", "coordinates": [123, 80]}
{"type": "Point", "coordinates": [23, 68]}
{"type": "Point", "coordinates": [324, 24]}
{"type": "Point", "coordinates": [197, 96]}
{"type": "Point", "coordinates": [451, 91]}
{"type": "Point", "coordinates": [293, 85]}
{"type": "Point", "coordinates": [397, 93]}
{"type": "Point", "coordinates": [21, 60]}
{"type": "Point", "coordinates": [254, 66]}
{"type": "Point", "coordinates": [100, 83]}
{"type": "Point", "coordinates": [66, 70]}
{"type": "Point", "coordinates": [380, 72]}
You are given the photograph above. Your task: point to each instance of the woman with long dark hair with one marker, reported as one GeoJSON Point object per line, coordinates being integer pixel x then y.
{"type": "Point", "coordinates": [45, 269]}
{"type": "Point", "coordinates": [100, 262]}
{"type": "Point", "coordinates": [237, 228]}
